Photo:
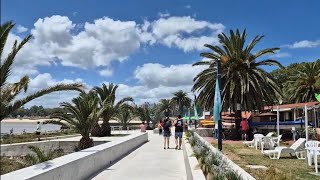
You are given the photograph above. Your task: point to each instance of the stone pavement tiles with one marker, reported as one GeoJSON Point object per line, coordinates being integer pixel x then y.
{"type": "Point", "coordinates": [150, 161]}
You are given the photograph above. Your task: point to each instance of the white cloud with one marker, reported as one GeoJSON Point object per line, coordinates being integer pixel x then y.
{"type": "Point", "coordinates": [93, 45]}
{"type": "Point", "coordinates": [96, 45]}
{"type": "Point", "coordinates": [280, 55]}
{"type": "Point", "coordinates": [156, 75]}
{"type": "Point", "coordinates": [21, 29]}
{"type": "Point", "coordinates": [160, 14]}
{"type": "Point", "coordinates": [106, 72]}
{"type": "Point", "coordinates": [156, 81]}
{"type": "Point", "coordinates": [304, 44]}
{"type": "Point", "coordinates": [45, 80]}
{"type": "Point", "coordinates": [185, 32]}
{"type": "Point", "coordinates": [187, 6]}
{"type": "Point", "coordinates": [143, 93]}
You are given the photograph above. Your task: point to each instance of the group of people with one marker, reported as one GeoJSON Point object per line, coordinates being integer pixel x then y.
{"type": "Point", "coordinates": [166, 128]}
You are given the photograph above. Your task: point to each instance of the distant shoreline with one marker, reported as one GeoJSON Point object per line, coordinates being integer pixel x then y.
{"type": "Point", "coordinates": [24, 120]}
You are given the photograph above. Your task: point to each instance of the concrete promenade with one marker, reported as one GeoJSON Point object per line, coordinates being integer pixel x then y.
{"type": "Point", "coordinates": [150, 161]}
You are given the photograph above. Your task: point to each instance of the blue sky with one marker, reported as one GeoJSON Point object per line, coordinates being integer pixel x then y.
{"type": "Point", "coordinates": [147, 47]}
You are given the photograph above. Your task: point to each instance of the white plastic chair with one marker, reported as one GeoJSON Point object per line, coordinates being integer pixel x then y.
{"type": "Point", "coordinates": [253, 142]}
{"type": "Point", "coordinates": [296, 148]}
{"type": "Point", "coordinates": [257, 140]}
{"type": "Point", "coordinates": [310, 153]}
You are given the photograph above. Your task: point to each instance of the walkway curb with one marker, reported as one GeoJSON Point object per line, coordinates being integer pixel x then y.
{"type": "Point", "coordinates": [191, 162]}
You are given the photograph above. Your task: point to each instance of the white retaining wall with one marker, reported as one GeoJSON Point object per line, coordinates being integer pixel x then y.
{"type": "Point", "coordinates": [21, 149]}
{"type": "Point", "coordinates": [82, 164]}
{"type": "Point", "coordinates": [235, 167]}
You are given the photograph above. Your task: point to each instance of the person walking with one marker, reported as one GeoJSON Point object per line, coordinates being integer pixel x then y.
{"type": "Point", "coordinates": [179, 127]}
{"type": "Point", "coordinates": [160, 126]}
{"type": "Point", "coordinates": [166, 133]}
{"type": "Point", "coordinates": [38, 130]}
{"type": "Point", "coordinates": [244, 129]}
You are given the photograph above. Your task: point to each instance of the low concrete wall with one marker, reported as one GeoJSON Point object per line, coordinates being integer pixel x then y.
{"type": "Point", "coordinates": [21, 149]}
{"type": "Point", "coordinates": [204, 132]}
{"type": "Point", "coordinates": [244, 175]}
{"type": "Point", "coordinates": [192, 166]}
{"type": "Point", "coordinates": [82, 164]}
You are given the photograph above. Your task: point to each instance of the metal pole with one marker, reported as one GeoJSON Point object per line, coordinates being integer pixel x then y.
{"type": "Point", "coordinates": [315, 117]}
{"type": "Point", "coordinates": [306, 120]}
{"type": "Point", "coordinates": [278, 121]}
{"type": "Point", "coordinates": [219, 121]}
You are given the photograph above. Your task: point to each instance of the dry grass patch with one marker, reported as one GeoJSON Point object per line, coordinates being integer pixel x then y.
{"type": "Point", "coordinates": [286, 168]}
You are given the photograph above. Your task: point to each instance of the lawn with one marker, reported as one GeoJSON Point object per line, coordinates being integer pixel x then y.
{"type": "Point", "coordinates": [284, 168]}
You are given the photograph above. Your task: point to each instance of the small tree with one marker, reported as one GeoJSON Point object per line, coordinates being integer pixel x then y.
{"type": "Point", "coordinates": [85, 111]}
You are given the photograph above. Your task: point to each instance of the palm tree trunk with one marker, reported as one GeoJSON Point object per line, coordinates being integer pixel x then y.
{"type": "Point", "coordinates": [105, 128]}
{"type": "Point", "coordinates": [96, 130]}
{"type": "Point", "coordinates": [85, 142]}
{"type": "Point", "coordinates": [238, 118]}
{"type": "Point", "coordinates": [180, 109]}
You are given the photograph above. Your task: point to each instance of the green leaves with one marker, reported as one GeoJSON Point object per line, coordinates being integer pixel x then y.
{"type": "Point", "coordinates": [182, 100]}
{"type": "Point", "coordinates": [303, 83]}
{"type": "Point", "coordinates": [242, 78]}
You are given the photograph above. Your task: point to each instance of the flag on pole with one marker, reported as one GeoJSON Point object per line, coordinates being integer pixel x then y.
{"type": "Point", "coordinates": [196, 117]}
{"type": "Point", "coordinates": [317, 97]}
{"type": "Point", "coordinates": [217, 107]}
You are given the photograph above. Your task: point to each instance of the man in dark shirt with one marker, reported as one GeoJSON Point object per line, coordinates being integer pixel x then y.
{"type": "Point", "coordinates": [179, 127]}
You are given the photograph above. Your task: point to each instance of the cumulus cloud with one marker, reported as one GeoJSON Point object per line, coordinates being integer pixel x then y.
{"type": "Point", "coordinates": [185, 32]}
{"type": "Point", "coordinates": [21, 29]}
{"type": "Point", "coordinates": [45, 80]}
{"type": "Point", "coordinates": [304, 44]}
{"type": "Point", "coordinates": [142, 93]}
{"type": "Point", "coordinates": [155, 75]}
{"type": "Point", "coordinates": [106, 72]}
{"type": "Point", "coordinates": [96, 45]}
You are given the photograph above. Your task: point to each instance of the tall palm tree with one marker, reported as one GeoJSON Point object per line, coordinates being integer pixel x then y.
{"type": "Point", "coordinates": [166, 106]}
{"type": "Point", "coordinates": [243, 79]}
{"type": "Point", "coordinates": [124, 115]}
{"type": "Point", "coordinates": [182, 100]}
{"type": "Point", "coordinates": [107, 100]}
{"type": "Point", "coordinates": [9, 91]}
{"type": "Point", "coordinates": [303, 86]}
{"type": "Point", "coordinates": [81, 116]}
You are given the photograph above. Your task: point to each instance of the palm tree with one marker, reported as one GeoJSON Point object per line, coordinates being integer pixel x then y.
{"type": "Point", "coordinates": [125, 115]}
{"type": "Point", "coordinates": [182, 100]}
{"type": "Point", "coordinates": [107, 100]}
{"type": "Point", "coordinates": [81, 115]}
{"type": "Point", "coordinates": [143, 113]}
{"type": "Point", "coordinates": [166, 106]}
{"type": "Point", "coordinates": [243, 80]}
{"type": "Point", "coordinates": [9, 91]}
{"type": "Point", "coordinates": [303, 86]}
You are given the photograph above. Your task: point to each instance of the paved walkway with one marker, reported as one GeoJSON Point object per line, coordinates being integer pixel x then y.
{"type": "Point", "coordinates": [150, 161]}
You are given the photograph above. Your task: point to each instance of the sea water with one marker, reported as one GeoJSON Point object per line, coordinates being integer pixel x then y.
{"type": "Point", "coordinates": [28, 127]}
